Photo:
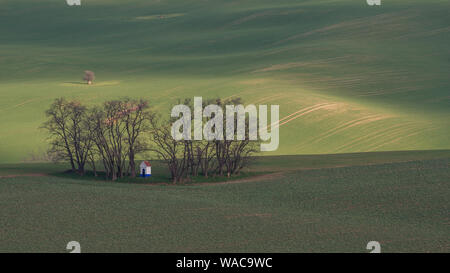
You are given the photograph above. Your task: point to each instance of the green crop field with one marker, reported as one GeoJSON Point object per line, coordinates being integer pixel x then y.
{"type": "Point", "coordinates": [348, 77]}
{"type": "Point", "coordinates": [402, 205]}
{"type": "Point", "coordinates": [364, 101]}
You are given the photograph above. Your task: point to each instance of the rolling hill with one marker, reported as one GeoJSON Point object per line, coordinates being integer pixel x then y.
{"type": "Point", "coordinates": [348, 77]}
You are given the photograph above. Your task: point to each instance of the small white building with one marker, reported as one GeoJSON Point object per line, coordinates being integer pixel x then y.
{"type": "Point", "coordinates": [145, 169]}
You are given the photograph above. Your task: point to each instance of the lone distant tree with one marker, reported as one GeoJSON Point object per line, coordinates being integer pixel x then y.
{"type": "Point", "coordinates": [89, 77]}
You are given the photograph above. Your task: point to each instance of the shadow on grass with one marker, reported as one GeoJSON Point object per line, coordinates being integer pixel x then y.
{"type": "Point", "coordinates": [76, 83]}
{"type": "Point", "coordinates": [156, 179]}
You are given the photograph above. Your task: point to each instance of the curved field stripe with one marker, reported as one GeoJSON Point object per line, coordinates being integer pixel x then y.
{"type": "Point", "coordinates": [378, 139]}
{"type": "Point", "coordinates": [382, 141]}
{"type": "Point", "coordinates": [402, 137]}
{"type": "Point", "coordinates": [268, 98]}
{"type": "Point", "coordinates": [307, 112]}
{"type": "Point", "coordinates": [301, 110]}
{"type": "Point", "coordinates": [381, 134]}
{"type": "Point", "coordinates": [395, 140]}
{"type": "Point", "coordinates": [336, 130]}
{"type": "Point", "coordinates": [341, 126]}
{"type": "Point", "coordinates": [348, 125]}
{"type": "Point", "coordinates": [367, 137]}
{"type": "Point", "coordinates": [296, 112]}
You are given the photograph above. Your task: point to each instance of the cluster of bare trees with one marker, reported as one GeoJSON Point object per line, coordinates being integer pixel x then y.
{"type": "Point", "coordinates": [112, 133]}
{"type": "Point", "coordinates": [117, 131]}
{"type": "Point", "coordinates": [187, 158]}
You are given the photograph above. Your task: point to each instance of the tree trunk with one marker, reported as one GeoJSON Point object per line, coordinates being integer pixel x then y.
{"type": "Point", "coordinates": [132, 165]}
{"type": "Point", "coordinates": [72, 164]}
{"type": "Point", "coordinates": [93, 167]}
{"type": "Point", "coordinates": [81, 170]}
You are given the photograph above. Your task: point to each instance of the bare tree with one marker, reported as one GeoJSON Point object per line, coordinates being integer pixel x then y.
{"type": "Point", "coordinates": [200, 155]}
{"type": "Point", "coordinates": [239, 155]}
{"type": "Point", "coordinates": [136, 117]}
{"type": "Point", "coordinates": [89, 77]}
{"type": "Point", "coordinates": [92, 157]}
{"type": "Point", "coordinates": [109, 137]}
{"type": "Point", "coordinates": [207, 157]}
{"type": "Point", "coordinates": [174, 153]}
{"type": "Point", "coordinates": [118, 128]}
{"type": "Point", "coordinates": [232, 155]}
{"type": "Point", "coordinates": [69, 138]}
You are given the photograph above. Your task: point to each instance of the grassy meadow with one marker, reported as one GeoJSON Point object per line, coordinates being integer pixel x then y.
{"type": "Point", "coordinates": [364, 123]}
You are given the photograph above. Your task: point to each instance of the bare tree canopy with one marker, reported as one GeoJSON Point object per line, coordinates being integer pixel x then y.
{"type": "Point", "coordinates": [118, 129]}
{"type": "Point", "coordinates": [186, 158]}
{"type": "Point", "coordinates": [70, 139]}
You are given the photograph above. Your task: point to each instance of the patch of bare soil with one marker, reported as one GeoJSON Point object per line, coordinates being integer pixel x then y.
{"type": "Point", "coordinates": [256, 178]}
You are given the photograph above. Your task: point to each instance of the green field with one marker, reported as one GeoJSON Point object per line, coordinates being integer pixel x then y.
{"type": "Point", "coordinates": [403, 205]}
{"type": "Point", "coordinates": [348, 77]}
{"type": "Point", "coordinates": [364, 101]}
